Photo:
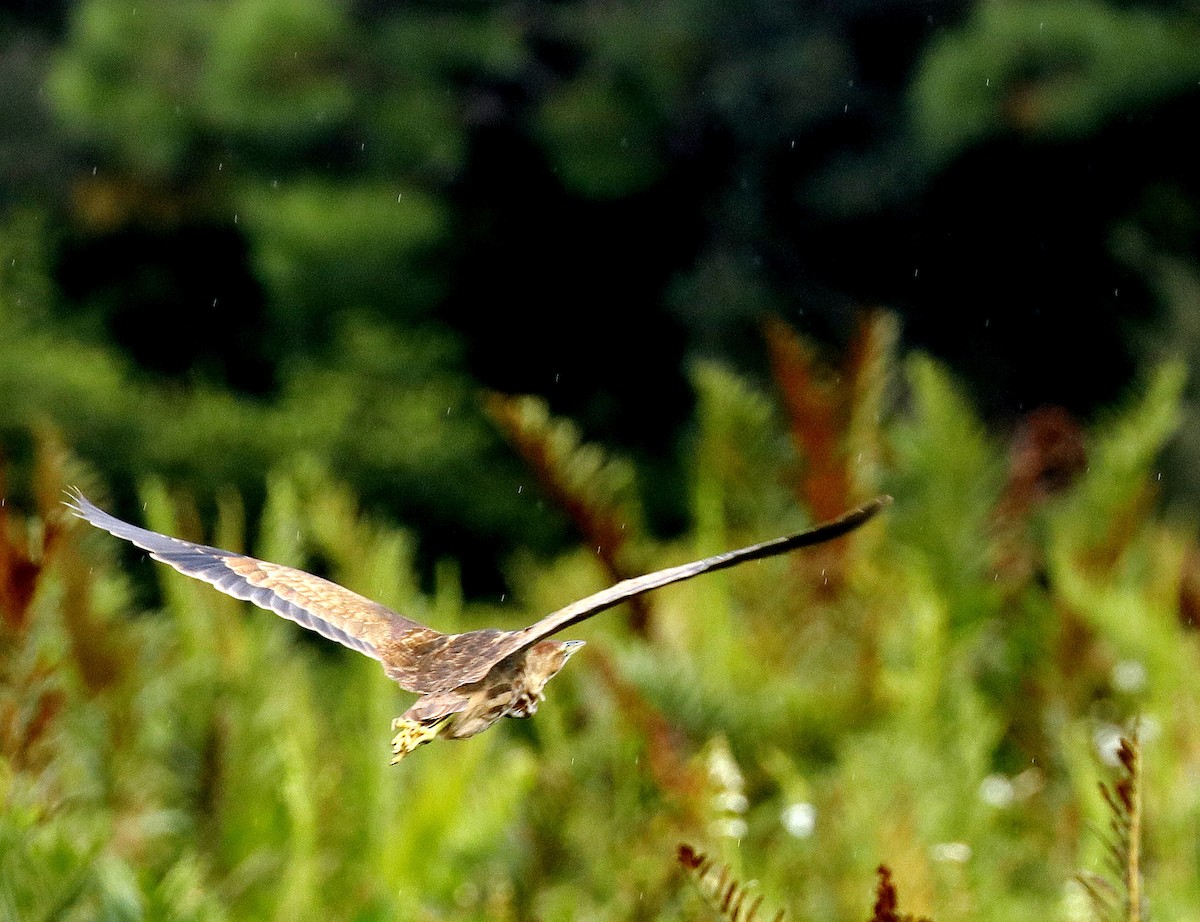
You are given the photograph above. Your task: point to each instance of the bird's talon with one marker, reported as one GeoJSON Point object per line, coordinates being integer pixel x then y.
{"type": "Point", "coordinates": [411, 735]}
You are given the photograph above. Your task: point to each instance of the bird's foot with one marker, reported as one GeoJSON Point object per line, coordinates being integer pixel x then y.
{"type": "Point", "coordinates": [412, 733]}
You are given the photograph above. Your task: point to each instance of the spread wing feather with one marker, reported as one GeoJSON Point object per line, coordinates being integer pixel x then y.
{"type": "Point", "coordinates": [420, 659]}
{"type": "Point", "coordinates": [486, 652]}
{"type": "Point", "coordinates": [312, 602]}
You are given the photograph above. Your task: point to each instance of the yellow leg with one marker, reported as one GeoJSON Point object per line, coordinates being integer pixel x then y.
{"type": "Point", "coordinates": [412, 733]}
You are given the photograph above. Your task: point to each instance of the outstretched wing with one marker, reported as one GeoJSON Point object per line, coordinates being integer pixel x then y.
{"type": "Point", "coordinates": [317, 604]}
{"type": "Point", "coordinates": [483, 652]}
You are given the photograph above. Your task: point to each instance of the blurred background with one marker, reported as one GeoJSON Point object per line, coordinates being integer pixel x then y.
{"type": "Point", "coordinates": [478, 307]}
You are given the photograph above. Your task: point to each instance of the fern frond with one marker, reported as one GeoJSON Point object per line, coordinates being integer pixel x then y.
{"type": "Point", "coordinates": [816, 415]}
{"type": "Point", "coordinates": [665, 754]}
{"type": "Point", "coordinates": [1119, 895]}
{"type": "Point", "coordinates": [591, 488]}
{"type": "Point", "coordinates": [832, 413]}
{"type": "Point", "coordinates": [729, 898]}
{"type": "Point", "coordinates": [28, 547]}
{"type": "Point", "coordinates": [20, 568]}
{"type": "Point", "coordinates": [887, 900]}
{"type": "Point", "coordinates": [871, 368]}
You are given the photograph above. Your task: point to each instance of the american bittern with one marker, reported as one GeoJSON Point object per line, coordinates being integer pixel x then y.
{"type": "Point", "coordinates": [468, 681]}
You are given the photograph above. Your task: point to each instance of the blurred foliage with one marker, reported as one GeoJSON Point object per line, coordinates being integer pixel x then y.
{"type": "Point", "coordinates": [305, 185]}
{"type": "Point", "coordinates": [267, 250]}
{"type": "Point", "coordinates": [937, 693]}
{"type": "Point", "coordinates": [391, 409]}
{"type": "Point", "coordinates": [1049, 69]}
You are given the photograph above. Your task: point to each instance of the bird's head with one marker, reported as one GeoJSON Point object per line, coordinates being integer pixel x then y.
{"type": "Point", "coordinates": [545, 659]}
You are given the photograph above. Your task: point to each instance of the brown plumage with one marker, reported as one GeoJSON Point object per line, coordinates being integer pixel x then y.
{"type": "Point", "coordinates": [466, 681]}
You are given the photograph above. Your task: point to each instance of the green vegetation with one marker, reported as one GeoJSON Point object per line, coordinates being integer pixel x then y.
{"type": "Point", "coordinates": [391, 410]}
{"type": "Point", "coordinates": [931, 694]}
{"type": "Point", "coordinates": [1059, 69]}
{"type": "Point", "coordinates": [270, 274]}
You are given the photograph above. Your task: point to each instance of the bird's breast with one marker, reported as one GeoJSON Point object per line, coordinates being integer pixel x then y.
{"type": "Point", "coordinates": [491, 699]}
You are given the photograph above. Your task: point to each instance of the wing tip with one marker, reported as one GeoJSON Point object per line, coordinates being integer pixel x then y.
{"type": "Point", "coordinates": [874, 506]}
{"type": "Point", "coordinates": [849, 521]}
{"type": "Point", "coordinates": [81, 507]}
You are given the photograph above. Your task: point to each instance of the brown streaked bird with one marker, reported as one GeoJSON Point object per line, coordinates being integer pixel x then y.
{"type": "Point", "coordinates": [468, 681]}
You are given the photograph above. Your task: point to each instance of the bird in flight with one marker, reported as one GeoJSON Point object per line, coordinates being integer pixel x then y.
{"type": "Point", "coordinates": [466, 682]}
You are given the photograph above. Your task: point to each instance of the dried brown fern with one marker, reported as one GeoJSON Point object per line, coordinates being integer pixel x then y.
{"type": "Point", "coordinates": [675, 776]}
{"type": "Point", "coordinates": [580, 480]}
{"type": "Point", "coordinates": [22, 561]}
{"type": "Point", "coordinates": [31, 696]}
{"type": "Point", "coordinates": [30, 547]}
{"type": "Point", "coordinates": [730, 898]}
{"type": "Point", "coordinates": [817, 418]}
{"type": "Point", "coordinates": [833, 413]}
{"type": "Point", "coordinates": [1117, 895]}
{"type": "Point", "coordinates": [887, 900]}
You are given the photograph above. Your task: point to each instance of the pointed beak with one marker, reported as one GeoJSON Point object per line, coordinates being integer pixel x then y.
{"type": "Point", "coordinates": [571, 646]}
